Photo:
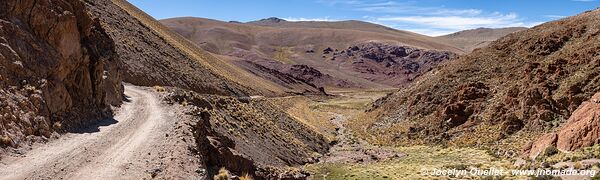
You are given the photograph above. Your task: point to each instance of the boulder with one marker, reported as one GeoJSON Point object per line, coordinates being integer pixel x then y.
{"type": "Point", "coordinates": [583, 127]}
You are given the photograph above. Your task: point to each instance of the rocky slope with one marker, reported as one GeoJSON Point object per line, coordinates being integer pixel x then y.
{"type": "Point", "coordinates": [519, 86]}
{"type": "Point", "coordinates": [386, 64]}
{"type": "Point", "coordinates": [58, 69]}
{"type": "Point", "coordinates": [249, 136]}
{"type": "Point", "coordinates": [583, 127]}
{"type": "Point", "coordinates": [470, 40]}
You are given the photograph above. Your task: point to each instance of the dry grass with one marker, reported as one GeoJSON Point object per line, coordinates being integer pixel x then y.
{"type": "Point", "coordinates": [246, 177]}
{"type": "Point", "coordinates": [283, 54]}
{"type": "Point", "coordinates": [418, 158]}
{"type": "Point", "coordinates": [223, 175]}
{"type": "Point", "coordinates": [316, 112]}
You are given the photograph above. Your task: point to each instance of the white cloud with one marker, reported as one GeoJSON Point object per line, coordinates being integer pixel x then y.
{"type": "Point", "coordinates": [433, 21]}
{"type": "Point", "coordinates": [456, 22]}
{"type": "Point", "coordinates": [555, 16]}
{"type": "Point", "coordinates": [309, 19]}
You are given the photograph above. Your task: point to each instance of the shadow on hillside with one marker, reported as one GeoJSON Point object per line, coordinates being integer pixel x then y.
{"type": "Point", "coordinates": [95, 127]}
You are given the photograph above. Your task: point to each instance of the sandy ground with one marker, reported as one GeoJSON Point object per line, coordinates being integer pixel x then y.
{"type": "Point", "coordinates": [145, 139]}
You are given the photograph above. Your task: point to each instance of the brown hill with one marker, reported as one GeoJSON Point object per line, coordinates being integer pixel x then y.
{"type": "Point", "coordinates": [470, 40]}
{"type": "Point", "coordinates": [520, 85]}
{"type": "Point", "coordinates": [153, 55]}
{"type": "Point", "coordinates": [303, 43]}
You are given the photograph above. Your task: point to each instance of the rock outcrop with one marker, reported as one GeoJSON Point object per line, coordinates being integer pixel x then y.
{"type": "Point", "coordinates": [58, 68]}
{"type": "Point", "coordinates": [393, 65]}
{"type": "Point", "coordinates": [583, 127]}
{"type": "Point", "coordinates": [249, 136]}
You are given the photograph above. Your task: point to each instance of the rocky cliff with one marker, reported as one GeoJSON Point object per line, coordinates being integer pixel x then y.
{"type": "Point", "coordinates": [58, 69]}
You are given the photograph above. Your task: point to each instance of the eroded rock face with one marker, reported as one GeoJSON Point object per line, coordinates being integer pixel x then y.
{"type": "Point", "coordinates": [250, 137]}
{"type": "Point", "coordinates": [583, 127]}
{"type": "Point", "coordinates": [57, 68]}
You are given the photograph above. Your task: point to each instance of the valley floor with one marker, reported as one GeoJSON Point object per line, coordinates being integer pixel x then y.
{"type": "Point", "coordinates": [354, 158]}
{"type": "Point", "coordinates": [141, 141]}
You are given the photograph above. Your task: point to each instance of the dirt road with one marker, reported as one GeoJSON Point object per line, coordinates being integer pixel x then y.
{"type": "Point", "coordinates": [133, 145]}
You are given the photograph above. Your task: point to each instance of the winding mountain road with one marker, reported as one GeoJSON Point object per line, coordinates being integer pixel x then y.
{"type": "Point", "coordinates": [119, 148]}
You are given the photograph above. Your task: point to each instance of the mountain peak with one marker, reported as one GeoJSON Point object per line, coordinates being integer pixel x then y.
{"type": "Point", "coordinates": [272, 20]}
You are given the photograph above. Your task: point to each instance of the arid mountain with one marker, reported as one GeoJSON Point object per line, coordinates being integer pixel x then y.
{"type": "Point", "coordinates": [322, 47]}
{"type": "Point", "coordinates": [57, 70]}
{"type": "Point", "coordinates": [174, 61]}
{"type": "Point", "coordinates": [470, 40]}
{"type": "Point", "coordinates": [521, 85]}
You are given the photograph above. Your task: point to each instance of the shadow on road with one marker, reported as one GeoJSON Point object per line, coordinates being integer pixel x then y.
{"type": "Point", "coordinates": [95, 127]}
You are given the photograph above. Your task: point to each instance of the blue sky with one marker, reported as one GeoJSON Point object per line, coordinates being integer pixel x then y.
{"type": "Point", "coordinates": [430, 17]}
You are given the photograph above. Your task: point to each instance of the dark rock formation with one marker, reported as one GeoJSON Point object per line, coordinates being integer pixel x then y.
{"type": "Point", "coordinates": [390, 64]}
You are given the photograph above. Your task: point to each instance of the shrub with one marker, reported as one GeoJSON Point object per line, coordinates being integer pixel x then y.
{"type": "Point", "coordinates": [246, 177]}
{"type": "Point", "coordinates": [551, 150]}
{"type": "Point", "coordinates": [57, 125]}
{"type": "Point", "coordinates": [159, 89]}
{"type": "Point", "coordinates": [223, 175]}
{"type": "Point", "coordinates": [578, 165]}
{"type": "Point", "coordinates": [5, 140]}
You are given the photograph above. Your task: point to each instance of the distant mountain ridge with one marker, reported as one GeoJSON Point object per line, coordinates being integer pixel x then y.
{"type": "Point", "coordinates": [469, 40]}
{"type": "Point", "coordinates": [321, 46]}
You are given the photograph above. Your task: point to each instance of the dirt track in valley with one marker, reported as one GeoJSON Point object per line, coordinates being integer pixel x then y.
{"type": "Point", "coordinates": [134, 144]}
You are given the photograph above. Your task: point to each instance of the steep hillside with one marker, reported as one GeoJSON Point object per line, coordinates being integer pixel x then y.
{"type": "Point", "coordinates": [249, 136]}
{"type": "Point", "coordinates": [150, 59]}
{"type": "Point", "coordinates": [57, 70]}
{"type": "Point", "coordinates": [521, 85]}
{"type": "Point", "coordinates": [470, 40]}
{"type": "Point", "coordinates": [315, 45]}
